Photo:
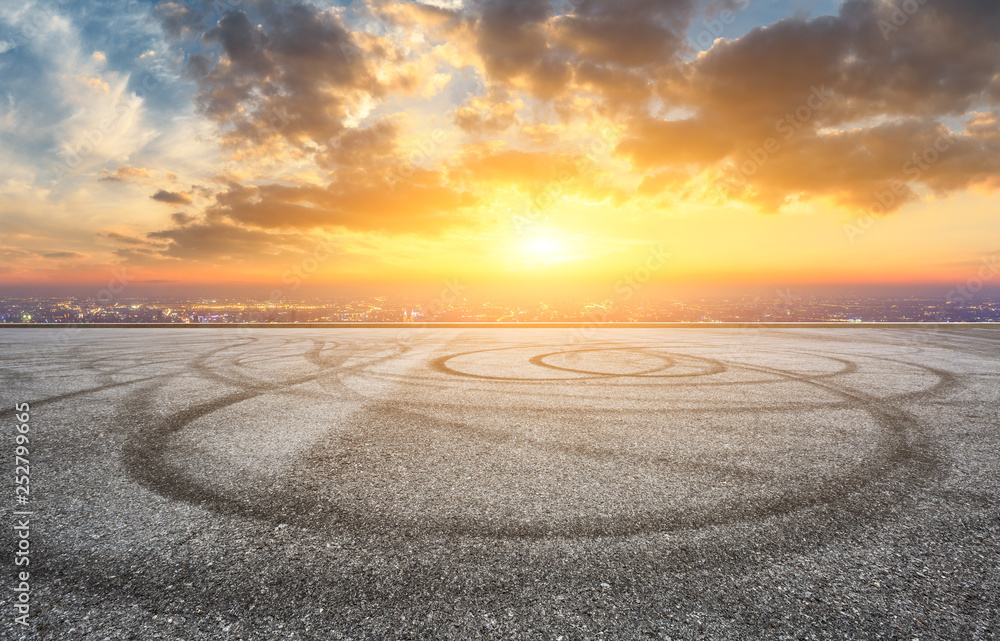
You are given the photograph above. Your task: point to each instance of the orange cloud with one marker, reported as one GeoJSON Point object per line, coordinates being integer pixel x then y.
{"type": "Point", "coordinates": [125, 172]}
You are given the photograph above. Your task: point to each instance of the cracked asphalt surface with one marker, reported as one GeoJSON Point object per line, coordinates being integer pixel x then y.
{"type": "Point", "coordinates": [566, 484]}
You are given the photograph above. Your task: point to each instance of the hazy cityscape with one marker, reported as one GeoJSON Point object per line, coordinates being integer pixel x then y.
{"type": "Point", "coordinates": [779, 308]}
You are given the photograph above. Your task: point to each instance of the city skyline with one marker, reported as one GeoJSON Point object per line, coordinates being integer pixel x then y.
{"type": "Point", "coordinates": [784, 307]}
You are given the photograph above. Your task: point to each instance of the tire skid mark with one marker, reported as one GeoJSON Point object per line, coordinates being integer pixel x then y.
{"type": "Point", "coordinates": [145, 451]}
{"type": "Point", "coordinates": [756, 551]}
{"type": "Point", "coordinates": [440, 365]}
{"type": "Point", "coordinates": [92, 390]}
{"type": "Point", "coordinates": [896, 453]}
{"type": "Point", "coordinates": [146, 463]}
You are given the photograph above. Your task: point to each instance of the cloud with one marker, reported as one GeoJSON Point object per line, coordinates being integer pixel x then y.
{"type": "Point", "coordinates": [654, 143]}
{"type": "Point", "coordinates": [181, 218]}
{"type": "Point", "coordinates": [179, 20]}
{"type": "Point", "coordinates": [61, 255]}
{"type": "Point", "coordinates": [124, 238]}
{"type": "Point", "coordinates": [488, 164]}
{"type": "Point", "coordinates": [626, 33]}
{"type": "Point", "coordinates": [218, 240]}
{"type": "Point", "coordinates": [288, 75]}
{"type": "Point", "coordinates": [590, 45]}
{"type": "Point", "coordinates": [832, 82]}
{"type": "Point", "coordinates": [124, 172]}
{"type": "Point", "coordinates": [842, 106]}
{"type": "Point", "coordinates": [513, 43]}
{"type": "Point", "coordinates": [172, 197]}
{"type": "Point", "coordinates": [546, 176]}
{"type": "Point", "coordinates": [365, 147]}
{"type": "Point", "coordinates": [380, 118]}
{"type": "Point", "coordinates": [420, 203]}
{"type": "Point", "coordinates": [491, 114]}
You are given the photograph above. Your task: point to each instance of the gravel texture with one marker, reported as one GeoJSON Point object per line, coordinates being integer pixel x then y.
{"type": "Point", "coordinates": [507, 483]}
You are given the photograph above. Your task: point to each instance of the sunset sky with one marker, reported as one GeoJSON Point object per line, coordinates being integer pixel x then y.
{"type": "Point", "coordinates": [499, 142]}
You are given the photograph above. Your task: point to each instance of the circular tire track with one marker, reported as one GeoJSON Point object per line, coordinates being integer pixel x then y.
{"type": "Point", "coordinates": [903, 456]}
{"type": "Point", "coordinates": [713, 366]}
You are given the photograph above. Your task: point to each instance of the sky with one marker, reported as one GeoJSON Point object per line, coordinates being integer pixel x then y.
{"type": "Point", "coordinates": [509, 144]}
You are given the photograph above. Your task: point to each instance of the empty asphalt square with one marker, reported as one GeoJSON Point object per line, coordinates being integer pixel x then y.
{"type": "Point", "coordinates": [573, 483]}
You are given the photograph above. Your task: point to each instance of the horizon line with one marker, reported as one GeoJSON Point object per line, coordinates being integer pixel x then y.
{"type": "Point", "coordinates": [525, 325]}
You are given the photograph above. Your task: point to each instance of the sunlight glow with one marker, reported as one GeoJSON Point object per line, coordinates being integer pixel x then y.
{"type": "Point", "coordinates": [545, 247]}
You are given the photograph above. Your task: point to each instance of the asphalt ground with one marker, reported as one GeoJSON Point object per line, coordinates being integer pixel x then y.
{"type": "Point", "coordinates": [565, 483]}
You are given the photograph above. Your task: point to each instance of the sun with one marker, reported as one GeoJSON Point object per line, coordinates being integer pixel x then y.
{"type": "Point", "coordinates": [542, 249]}
{"type": "Point", "coordinates": [545, 246]}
